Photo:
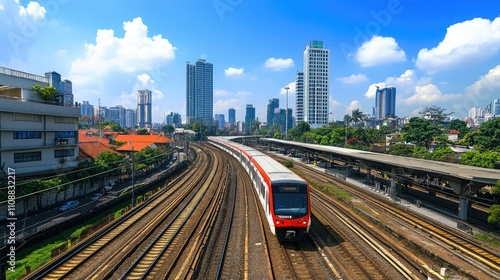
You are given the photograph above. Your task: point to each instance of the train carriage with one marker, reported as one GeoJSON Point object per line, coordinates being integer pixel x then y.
{"type": "Point", "coordinates": [283, 195]}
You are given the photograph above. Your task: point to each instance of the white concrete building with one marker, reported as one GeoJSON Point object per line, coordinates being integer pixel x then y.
{"type": "Point", "coordinates": [35, 136]}
{"type": "Point", "coordinates": [316, 79]}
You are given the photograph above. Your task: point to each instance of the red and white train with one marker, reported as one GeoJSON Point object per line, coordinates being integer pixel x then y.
{"type": "Point", "coordinates": [283, 195]}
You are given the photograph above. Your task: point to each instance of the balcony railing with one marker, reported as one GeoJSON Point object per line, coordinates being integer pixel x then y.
{"type": "Point", "coordinates": [15, 73]}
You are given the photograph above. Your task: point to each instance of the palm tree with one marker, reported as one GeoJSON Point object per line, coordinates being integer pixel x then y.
{"type": "Point", "coordinates": [357, 117]}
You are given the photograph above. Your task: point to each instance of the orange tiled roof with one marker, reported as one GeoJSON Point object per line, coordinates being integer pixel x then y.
{"type": "Point", "coordinates": [157, 139]}
{"type": "Point", "coordinates": [136, 146]}
{"type": "Point", "coordinates": [93, 149]}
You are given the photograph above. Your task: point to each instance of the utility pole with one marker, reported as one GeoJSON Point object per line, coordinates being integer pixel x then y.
{"type": "Point", "coordinates": [286, 114]}
{"type": "Point", "coordinates": [133, 170]}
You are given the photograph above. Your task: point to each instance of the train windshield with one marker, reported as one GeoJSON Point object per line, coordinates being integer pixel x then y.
{"type": "Point", "coordinates": [290, 201]}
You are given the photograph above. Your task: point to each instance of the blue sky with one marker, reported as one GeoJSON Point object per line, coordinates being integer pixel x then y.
{"type": "Point", "coordinates": [444, 53]}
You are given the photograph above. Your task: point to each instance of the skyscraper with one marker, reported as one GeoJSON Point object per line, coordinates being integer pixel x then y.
{"type": "Point", "coordinates": [232, 116]}
{"type": "Point", "coordinates": [250, 118]}
{"type": "Point", "coordinates": [174, 119]}
{"type": "Point", "coordinates": [144, 113]}
{"type": "Point", "coordinates": [316, 84]}
{"type": "Point", "coordinates": [299, 96]}
{"type": "Point", "coordinates": [273, 104]}
{"type": "Point", "coordinates": [385, 103]}
{"type": "Point", "coordinates": [199, 92]}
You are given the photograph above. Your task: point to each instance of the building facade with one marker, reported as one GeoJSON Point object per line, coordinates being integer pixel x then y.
{"type": "Point", "coordinates": [232, 116]}
{"type": "Point", "coordinates": [316, 84]}
{"type": "Point", "coordinates": [199, 92]}
{"type": "Point", "coordinates": [299, 96]}
{"type": "Point", "coordinates": [385, 103]}
{"type": "Point", "coordinates": [35, 136]}
{"type": "Point", "coordinates": [130, 118]}
{"type": "Point", "coordinates": [87, 113]}
{"type": "Point", "coordinates": [250, 119]}
{"type": "Point", "coordinates": [144, 108]}
{"type": "Point", "coordinates": [174, 119]}
{"type": "Point", "coordinates": [271, 107]}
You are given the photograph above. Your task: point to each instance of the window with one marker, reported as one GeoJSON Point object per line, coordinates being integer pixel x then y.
{"type": "Point", "coordinates": [23, 117]}
{"type": "Point", "coordinates": [65, 120]}
{"type": "Point", "coordinates": [29, 156]}
{"type": "Point", "coordinates": [27, 135]}
{"type": "Point", "coordinates": [64, 153]}
{"type": "Point", "coordinates": [65, 134]}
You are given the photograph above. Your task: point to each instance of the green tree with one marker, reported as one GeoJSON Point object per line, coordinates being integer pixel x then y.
{"type": "Point", "coordinates": [494, 212]}
{"type": "Point", "coordinates": [489, 135]}
{"type": "Point", "coordinates": [459, 125]}
{"type": "Point", "coordinates": [357, 117]}
{"type": "Point", "coordinates": [419, 132]}
{"type": "Point", "coordinates": [434, 114]}
{"type": "Point", "coordinates": [298, 131]}
{"type": "Point", "coordinates": [47, 93]}
{"type": "Point", "coordinates": [142, 131]}
{"type": "Point", "coordinates": [168, 129]}
{"type": "Point", "coordinates": [485, 159]}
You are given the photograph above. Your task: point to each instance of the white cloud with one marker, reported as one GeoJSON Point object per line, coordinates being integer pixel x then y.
{"type": "Point", "coordinates": [291, 89]}
{"type": "Point", "coordinates": [234, 72]}
{"type": "Point", "coordinates": [487, 85]}
{"type": "Point", "coordinates": [380, 50]}
{"type": "Point", "coordinates": [278, 64]}
{"type": "Point", "coordinates": [353, 79]}
{"type": "Point", "coordinates": [464, 43]}
{"type": "Point", "coordinates": [405, 84]}
{"type": "Point", "coordinates": [353, 106]}
{"type": "Point", "coordinates": [221, 92]}
{"type": "Point", "coordinates": [33, 10]}
{"type": "Point", "coordinates": [134, 52]}
{"type": "Point", "coordinates": [1, 7]}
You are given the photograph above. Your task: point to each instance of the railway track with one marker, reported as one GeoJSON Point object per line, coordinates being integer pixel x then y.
{"type": "Point", "coordinates": [100, 254]}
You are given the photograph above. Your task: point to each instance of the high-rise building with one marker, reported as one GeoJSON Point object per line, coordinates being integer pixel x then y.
{"type": "Point", "coordinates": [316, 84]}
{"type": "Point", "coordinates": [199, 92]}
{"type": "Point", "coordinates": [232, 116]}
{"type": "Point", "coordinates": [250, 119]}
{"type": "Point", "coordinates": [385, 103]}
{"type": "Point", "coordinates": [174, 119]}
{"type": "Point", "coordinates": [271, 107]}
{"type": "Point", "coordinates": [66, 90]}
{"type": "Point", "coordinates": [87, 112]}
{"type": "Point", "coordinates": [280, 116]}
{"type": "Point", "coordinates": [299, 96]}
{"type": "Point", "coordinates": [495, 107]}
{"type": "Point", "coordinates": [144, 112]}
{"type": "Point", "coordinates": [221, 120]}
{"type": "Point", "coordinates": [130, 118]}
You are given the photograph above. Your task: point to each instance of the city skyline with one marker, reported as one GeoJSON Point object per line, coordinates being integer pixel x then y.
{"type": "Point", "coordinates": [445, 56]}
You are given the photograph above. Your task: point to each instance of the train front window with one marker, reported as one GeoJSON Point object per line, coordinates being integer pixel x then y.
{"type": "Point", "coordinates": [290, 201]}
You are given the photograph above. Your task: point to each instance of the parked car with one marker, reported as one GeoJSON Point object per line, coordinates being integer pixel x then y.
{"type": "Point", "coordinates": [69, 205]}
{"type": "Point", "coordinates": [96, 196]}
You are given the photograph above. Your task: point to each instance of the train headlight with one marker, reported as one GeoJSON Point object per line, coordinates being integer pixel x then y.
{"type": "Point", "coordinates": [279, 222]}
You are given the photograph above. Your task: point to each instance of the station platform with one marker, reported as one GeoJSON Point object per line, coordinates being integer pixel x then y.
{"type": "Point", "coordinates": [439, 214]}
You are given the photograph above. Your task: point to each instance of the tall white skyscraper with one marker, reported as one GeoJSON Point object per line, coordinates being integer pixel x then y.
{"type": "Point", "coordinates": [316, 84]}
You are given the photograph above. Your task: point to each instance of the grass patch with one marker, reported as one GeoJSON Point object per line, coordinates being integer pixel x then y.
{"type": "Point", "coordinates": [492, 240]}
{"type": "Point", "coordinates": [31, 258]}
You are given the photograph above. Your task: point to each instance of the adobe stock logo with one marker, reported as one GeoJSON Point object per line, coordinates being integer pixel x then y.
{"type": "Point", "coordinates": [223, 6]}
{"type": "Point", "coordinates": [373, 27]}
{"type": "Point", "coordinates": [29, 27]}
